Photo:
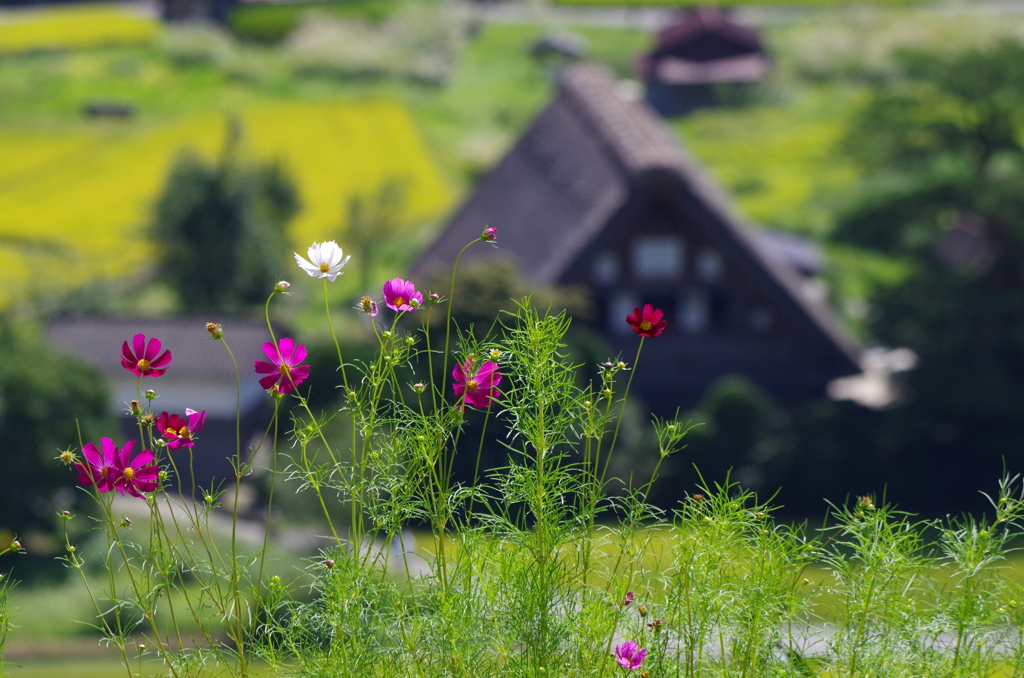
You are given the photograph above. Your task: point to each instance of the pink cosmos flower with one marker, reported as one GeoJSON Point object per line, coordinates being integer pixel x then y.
{"type": "Point", "coordinates": [479, 384]}
{"type": "Point", "coordinates": [138, 475]}
{"type": "Point", "coordinates": [142, 358]}
{"type": "Point", "coordinates": [99, 467]}
{"type": "Point", "coordinates": [400, 295]}
{"type": "Point", "coordinates": [647, 322]}
{"type": "Point", "coordinates": [283, 369]}
{"type": "Point", "coordinates": [630, 655]}
{"type": "Point", "coordinates": [179, 430]}
{"type": "Point", "coordinates": [629, 598]}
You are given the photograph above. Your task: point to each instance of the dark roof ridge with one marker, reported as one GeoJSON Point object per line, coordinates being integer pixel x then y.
{"type": "Point", "coordinates": [644, 145]}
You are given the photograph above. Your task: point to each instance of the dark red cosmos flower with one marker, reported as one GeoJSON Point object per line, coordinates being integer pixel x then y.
{"type": "Point", "coordinates": [137, 475]}
{"type": "Point", "coordinates": [179, 430]}
{"type": "Point", "coordinates": [142, 358]}
{"type": "Point", "coordinates": [648, 321]}
{"type": "Point", "coordinates": [99, 466]}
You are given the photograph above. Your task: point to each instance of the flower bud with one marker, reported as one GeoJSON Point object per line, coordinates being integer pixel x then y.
{"type": "Point", "coordinates": [434, 298]}
{"type": "Point", "coordinates": [147, 419]}
{"type": "Point", "coordinates": [328, 563]}
{"type": "Point", "coordinates": [282, 287]}
{"type": "Point", "coordinates": [410, 340]}
{"type": "Point", "coordinates": [275, 392]}
{"type": "Point", "coordinates": [608, 366]}
{"type": "Point", "coordinates": [67, 457]}
{"type": "Point", "coordinates": [607, 393]}
{"type": "Point", "coordinates": [419, 387]}
{"type": "Point", "coordinates": [414, 303]}
{"type": "Point", "coordinates": [495, 354]}
{"type": "Point", "coordinates": [142, 647]}
{"type": "Point", "coordinates": [208, 499]}
{"type": "Point", "coordinates": [490, 234]}
{"type": "Point", "coordinates": [388, 334]}
{"type": "Point", "coordinates": [135, 408]}
{"type": "Point", "coordinates": [642, 610]}
{"type": "Point", "coordinates": [150, 394]}
{"type": "Point", "coordinates": [587, 403]}
{"type": "Point", "coordinates": [621, 365]}
{"type": "Point", "coordinates": [70, 548]}
{"type": "Point", "coordinates": [368, 306]}
{"type": "Point", "coordinates": [65, 515]}
{"type": "Point", "coordinates": [215, 330]}
{"type": "Point", "coordinates": [126, 522]}
{"type": "Point", "coordinates": [162, 476]}
{"type": "Point", "coordinates": [16, 545]}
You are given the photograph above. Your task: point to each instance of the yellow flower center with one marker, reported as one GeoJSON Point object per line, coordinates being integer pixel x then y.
{"type": "Point", "coordinates": [399, 301]}
{"type": "Point", "coordinates": [104, 472]}
{"type": "Point", "coordinates": [184, 432]}
{"type": "Point", "coordinates": [645, 325]}
{"type": "Point", "coordinates": [285, 369]}
{"type": "Point", "coordinates": [324, 268]}
{"type": "Point", "coordinates": [143, 364]}
{"type": "Point", "coordinates": [129, 473]}
{"type": "Point", "coordinates": [471, 385]}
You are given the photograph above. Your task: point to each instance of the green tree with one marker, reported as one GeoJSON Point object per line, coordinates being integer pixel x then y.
{"type": "Point", "coordinates": [45, 397]}
{"type": "Point", "coordinates": [219, 228]}
{"type": "Point", "coordinates": [943, 193]}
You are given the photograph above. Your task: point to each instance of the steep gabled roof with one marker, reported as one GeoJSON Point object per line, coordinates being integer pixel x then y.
{"type": "Point", "coordinates": [576, 168]}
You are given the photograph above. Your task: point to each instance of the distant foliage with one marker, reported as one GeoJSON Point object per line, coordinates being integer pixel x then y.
{"type": "Point", "coordinates": [420, 41]}
{"type": "Point", "coordinates": [219, 228]}
{"type": "Point", "coordinates": [42, 395]}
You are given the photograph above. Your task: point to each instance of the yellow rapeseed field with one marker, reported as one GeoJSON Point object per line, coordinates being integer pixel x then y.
{"type": "Point", "coordinates": [75, 201]}
{"type": "Point", "coordinates": [69, 27]}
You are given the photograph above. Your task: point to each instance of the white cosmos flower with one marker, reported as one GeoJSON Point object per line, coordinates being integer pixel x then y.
{"type": "Point", "coordinates": [325, 260]}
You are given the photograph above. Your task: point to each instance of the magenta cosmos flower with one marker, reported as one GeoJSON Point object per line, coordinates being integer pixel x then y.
{"type": "Point", "coordinates": [137, 475]}
{"type": "Point", "coordinates": [283, 369]}
{"type": "Point", "coordinates": [99, 468]}
{"type": "Point", "coordinates": [648, 321]}
{"type": "Point", "coordinates": [630, 655]}
{"type": "Point", "coordinates": [145, 359]}
{"type": "Point", "coordinates": [401, 295]}
{"type": "Point", "coordinates": [179, 430]}
{"type": "Point", "coordinates": [479, 385]}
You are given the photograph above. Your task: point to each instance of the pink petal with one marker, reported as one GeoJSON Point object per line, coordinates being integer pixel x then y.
{"type": "Point", "coordinates": [142, 458]}
{"type": "Point", "coordinates": [152, 349]}
{"type": "Point", "coordinates": [267, 382]}
{"type": "Point", "coordinates": [127, 359]}
{"type": "Point", "coordinates": [300, 373]}
{"type": "Point", "coordinates": [164, 358]}
{"type": "Point", "coordinates": [139, 346]}
{"type": "Point", "coordinates": [299, 354]}
{"type": "Point", "coordinates": [263, 367]}
{"type": "Point", "coordinates": [287, 347]}
{"type": "Point", "coordinates": [271, 352]}
{"type": "Point", "coordinates": [109, 452]}
{"type": "Point", "coordinates": [92, 455]}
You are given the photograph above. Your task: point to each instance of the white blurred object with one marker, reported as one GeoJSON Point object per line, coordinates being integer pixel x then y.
{"type": "Point", "coordinates": [875, 387]}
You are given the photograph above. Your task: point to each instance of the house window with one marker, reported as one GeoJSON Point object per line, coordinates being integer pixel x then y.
{"type": "Point", "coordinates": [657, 257]}
{"type": "Point", "coordinates": [696, 311]}
{"type": "Point", "coordinates": [709, 265]}
{"type": "Point", "coordinates": [606, 268]}
{"type": "Point", "coordinates": [620, 305]}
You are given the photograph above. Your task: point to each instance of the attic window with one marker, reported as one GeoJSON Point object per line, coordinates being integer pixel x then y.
{"type": "Point", "coordinates": [709, 265]}
{"type": "Point", "coordinates": [657, 257]}
{"type": "Point", "coordinates": [696, 313]}
{"type": "Point", "coordinates": [606, 268]}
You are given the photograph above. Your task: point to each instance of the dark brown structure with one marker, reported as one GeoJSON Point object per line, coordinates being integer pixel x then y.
{"type": "Point", "coordinates": [599, 192]}
{"type": "Point", "coordinates": [702, 50]}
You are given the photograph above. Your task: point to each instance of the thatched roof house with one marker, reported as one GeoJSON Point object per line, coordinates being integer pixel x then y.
{"type": "Point", "coordinates": [598, 192]}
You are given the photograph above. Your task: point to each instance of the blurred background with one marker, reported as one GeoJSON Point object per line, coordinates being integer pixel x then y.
{"type": "Point", "coordinates": [826, 198]}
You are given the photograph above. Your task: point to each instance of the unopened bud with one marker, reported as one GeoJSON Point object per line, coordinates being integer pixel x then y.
{"type": "Point", "coordinates": [608, 366]}
{"type": "Point", "coordinates": [215, 330]}
{"type": "Point", "coordinates": [410, 340]}
{"type": "Point", "coordinates": [150, 394]}
{"type": "Point", "coordinates": [208, 498]}
{"type": "Point", "coordinates": [142, 647]}
{"type": "Point", "coordinates": [282, 287]}
{"type": "Point", "coordinates": [607, 393]}
{"type": "Point", "coordinates": [275, 392]}
{"type": "Point", "coordinates": [419, 387]}
{"type": "Point", "coordinates": [698, 498]}
{"type": "Point", "coordinates": [16, 545]}
{"type": "Point", "coordinates": [67, 457]}
{"type": "Point", "coordinates": [126, 522]}
{"type": "Point", "coordinates": [490, 234]}
{"type": "Point", "coordinates": [328, 563]}
{"type": "Point", "coordinates": [71, 548]}
{"type": "Point", "coordinates": [621, 365]}
{"type": "Point", "coordinates": [414, 303]}
{"type": "Point", "coordinates": [587, 403]}
{"type": "Point", "coordinates": [495, 354]}
{"type": "Point", "coordinates": [435, 297]}
{"type": "Point", "coordinates": [147, 419]}
{"type": "Point", "coordinates": [162, 476]}
{"type": "Point", "coordinates": [135, 407]}
{"type": "Point", "coordinates": [65, 515]}
{"type": "Point", "coordinates": [642, 610]}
